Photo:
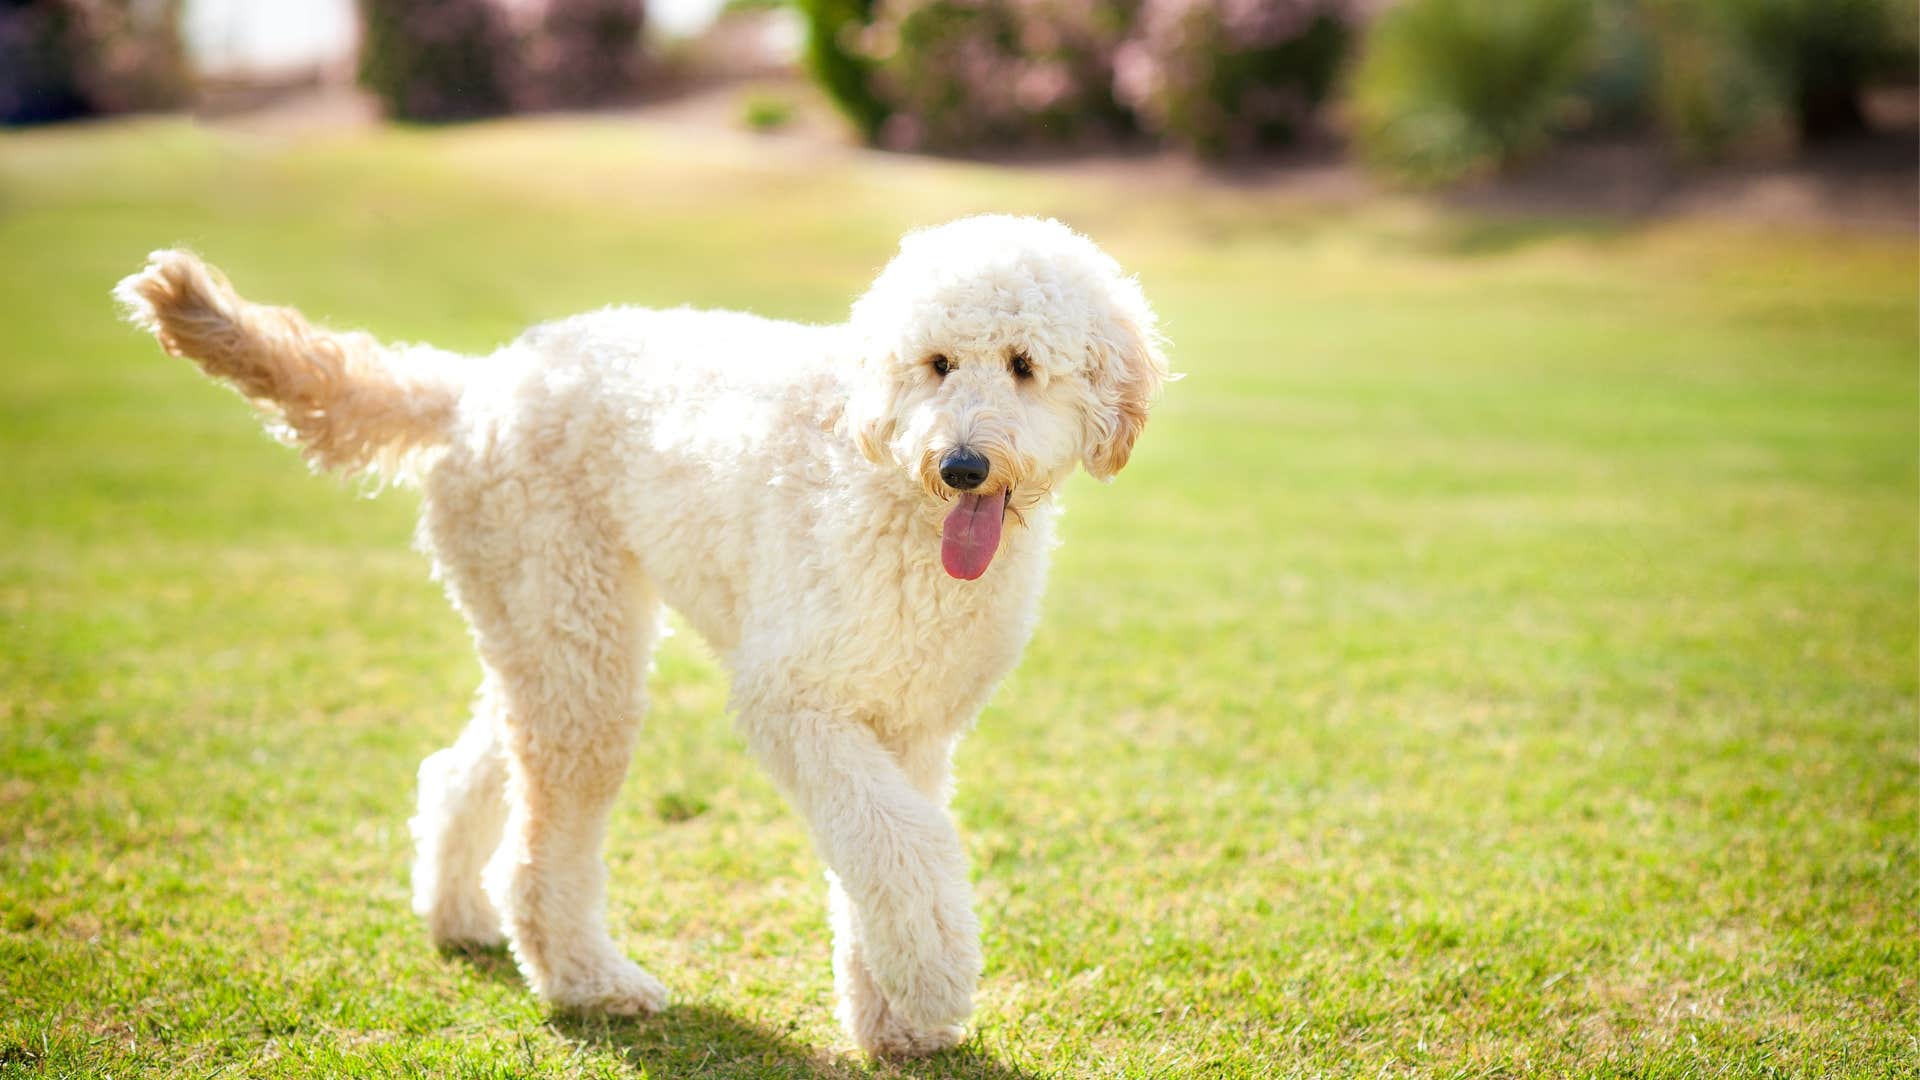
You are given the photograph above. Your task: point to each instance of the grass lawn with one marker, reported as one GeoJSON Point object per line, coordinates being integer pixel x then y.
{"type": "Point", "coordinates": [1499, 658]}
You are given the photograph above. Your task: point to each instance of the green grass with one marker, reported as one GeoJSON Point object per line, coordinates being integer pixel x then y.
{"type": "Point", "coordinates": [1499, 658]}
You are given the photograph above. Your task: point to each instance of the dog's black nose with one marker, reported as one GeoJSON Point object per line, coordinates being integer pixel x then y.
{"type": "Point", "coordinates": [963, 470]}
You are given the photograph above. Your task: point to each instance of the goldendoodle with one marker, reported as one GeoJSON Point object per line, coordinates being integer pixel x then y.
{"type": "Point", "coordinates": [828, 505]}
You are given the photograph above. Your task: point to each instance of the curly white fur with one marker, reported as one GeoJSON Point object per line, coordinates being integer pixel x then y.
{"type": "Point", "coordinates": [778, 485]}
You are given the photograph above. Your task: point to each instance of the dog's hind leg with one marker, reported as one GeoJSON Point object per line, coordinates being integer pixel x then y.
{"type": "Point", "coordinates": [463, 805]}
{"type": "Point", "coordinates": [570, 652]}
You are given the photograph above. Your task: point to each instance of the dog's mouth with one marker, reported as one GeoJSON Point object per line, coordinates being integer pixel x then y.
{"type": "Point", "coordinates": [971, 536]}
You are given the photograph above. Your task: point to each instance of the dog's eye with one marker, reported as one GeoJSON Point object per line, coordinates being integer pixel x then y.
{"type": "Point", "coordinates": [1022, 367]}
{"type": "Point", "coordinates": [941, 365]}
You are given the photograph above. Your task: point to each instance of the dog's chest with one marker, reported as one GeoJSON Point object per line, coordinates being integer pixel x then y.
{"type": "Point", "coordinates": [919, 649]}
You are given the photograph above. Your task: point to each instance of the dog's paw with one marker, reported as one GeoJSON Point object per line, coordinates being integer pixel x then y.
{"type": "Point", "coordinates": [464, 929]}
{"type": "Point", "coordinates": [927, 965]}
{"type": "Point", "coordinates": [620, 989]}
{"type": "Point", "coordinates": [875, 1026]}
{"type": "Point", "coordinates": [901, 1041]}
{"type": "Point", "coordinates": [932, 999]}
{"type": "Point", "coordinates": [460, 921]}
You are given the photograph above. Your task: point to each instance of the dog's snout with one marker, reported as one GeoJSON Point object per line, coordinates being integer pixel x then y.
{"type": "Point", "coordinates": [963, 470]}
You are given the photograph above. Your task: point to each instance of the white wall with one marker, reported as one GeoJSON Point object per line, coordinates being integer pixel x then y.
{"type": "Point", "coordinates": [233, 37]}
{"type": "Point", "coordinates": [239, 37]}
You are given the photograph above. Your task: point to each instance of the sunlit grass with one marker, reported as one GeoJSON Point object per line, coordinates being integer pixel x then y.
{"type": "Point", "coordinates": [1499, 657]}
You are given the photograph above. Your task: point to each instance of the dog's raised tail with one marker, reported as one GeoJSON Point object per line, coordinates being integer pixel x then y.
{"type": "Point", "coordinates": [350, 403]}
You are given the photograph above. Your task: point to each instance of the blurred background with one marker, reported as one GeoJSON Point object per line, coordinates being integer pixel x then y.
{"type": "Point", "coordinates": [1607, 102]}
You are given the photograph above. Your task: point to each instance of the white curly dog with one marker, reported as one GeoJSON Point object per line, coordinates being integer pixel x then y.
{"type": "Point", "coordinates": [824, 504]}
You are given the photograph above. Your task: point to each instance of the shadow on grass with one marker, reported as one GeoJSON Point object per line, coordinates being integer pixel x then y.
{"type": "Point", "coordinates": [700, 1040]}
{"type": "Point", "coordinates": [492, 961]}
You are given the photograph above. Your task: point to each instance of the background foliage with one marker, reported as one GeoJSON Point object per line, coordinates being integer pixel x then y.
{"type": "Point", "coordinates": [67, 58]}
{"type": "Point", "coordinates": [957, 74]}
{"type": "Point", "coordinates": [838, 63]}
{"type": "Point", "coordinates": [1434, 90]}
{"type": "Point", "coordinates": [1820, 52]}
{"type": "Point", "coordinates": [1428, 91]}
{"type": "Point", "coordinates": [440, 60]}
{"type": "Point", "coordinates": [1454, 88]}
{"type": "Point", "coordinates": [1231, 76]}
{"type": "Point", "coordinates": [581, 53]}
{"type": "Point", "coordinates": [435, 59]}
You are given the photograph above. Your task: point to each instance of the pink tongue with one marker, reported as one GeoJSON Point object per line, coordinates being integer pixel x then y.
{"type": "Point", "coordinates": [972, 534]}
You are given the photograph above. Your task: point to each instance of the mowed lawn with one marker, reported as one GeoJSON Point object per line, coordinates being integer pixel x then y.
{"type": "Point", "coordinates": [1498, 659]}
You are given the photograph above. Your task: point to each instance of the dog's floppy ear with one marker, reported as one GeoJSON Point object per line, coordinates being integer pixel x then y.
{"type": "Point", "coordinates": [870, 413]}
{"type": "Point", "coordinates": [1129, 368]}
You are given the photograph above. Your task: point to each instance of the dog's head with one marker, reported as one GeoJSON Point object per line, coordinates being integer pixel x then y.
{"type": "Point", "coordinates": [1000, 352]}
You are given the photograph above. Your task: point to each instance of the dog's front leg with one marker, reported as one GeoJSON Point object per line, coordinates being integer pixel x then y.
{"type": "Point", "coordinates": [907, 944]}
{"type": "Point", "coordinates": [862, 1007]}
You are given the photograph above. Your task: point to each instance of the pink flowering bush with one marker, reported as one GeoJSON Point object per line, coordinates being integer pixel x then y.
{"type": "Point", "coordinates": [579, 53]}
{"type": "Point", "coordinates": [438, 60]}
{"type": "Point", "coordinates": [63, 58]}
{"type": "Point", "coordinates": [1217, 76]}
{"type": "Point", "coordinates": [1228, 76]}
{"type": "Point", "coordinates": [954, 74]}
{"type": "Point", "coordinates": [435, 60]}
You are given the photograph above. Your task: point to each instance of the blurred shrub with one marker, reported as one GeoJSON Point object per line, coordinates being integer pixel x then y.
{"type": "Point", "coordinates": [1727, 72]}
{"type": "Point", "coordinates": [582, 52]}
{"type": "Point", "coordinates": [1455, 88]}
{"type": "Point", "coordinates": [1707, 94]}
{"type": "Point", "coordinates": [1822, 53]}
{"type": "Point", "coordinates": [1616, 92]}
{"type": "Point", "coordinates": [765, 112]}
{"type": "Point", "coordinates": [37, 82]}
{"type": "Point", "coordinates": [64, 58]}
{"type": "Point", "coordinates": [838, 64]}
{"type": "Point", "coordinates": [957, 74]}
{"type": "Point", "coordinates": [1446, 89]}
{"type": "Point", "coordinates": [440, 60]}
{"type": "Point", "coordinates": [436, 60]}
{"type": "Point", "coordinates": [128, 55]}
{"type": "Point", "coordinates": [1227, 76]}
